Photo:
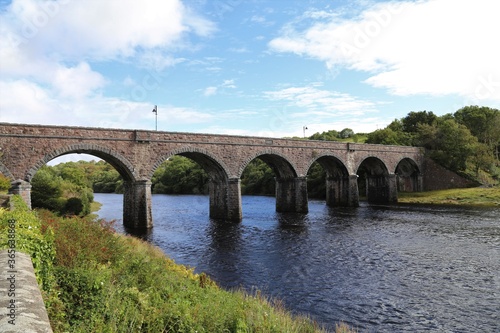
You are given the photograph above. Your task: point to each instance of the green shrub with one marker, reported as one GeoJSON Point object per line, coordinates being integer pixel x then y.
{"type": "Point", "coordinates": [30, 238]}
{"type": "Point", "coordinates": [4, 183]}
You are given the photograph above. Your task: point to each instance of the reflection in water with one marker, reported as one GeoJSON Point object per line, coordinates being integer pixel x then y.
{"type": "Point", "coordinates": [378, 268]}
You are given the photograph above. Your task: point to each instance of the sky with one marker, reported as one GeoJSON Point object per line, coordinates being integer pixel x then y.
{"type": "Point", "coordinates": [245, 67]}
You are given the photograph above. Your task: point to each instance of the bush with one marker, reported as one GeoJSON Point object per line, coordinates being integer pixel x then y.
{"type": "Point", "coordinates": [4, 183]}
{"type": "Point", "coordinates": [74, 206]}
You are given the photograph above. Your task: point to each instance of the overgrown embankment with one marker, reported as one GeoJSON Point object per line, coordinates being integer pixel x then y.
{"type": "Point", "coordinates": [95, 280]}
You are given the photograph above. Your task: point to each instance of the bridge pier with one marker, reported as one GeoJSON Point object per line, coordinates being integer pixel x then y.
{"type": "Point", "coordinates": [382, 189]}
{"type": "Point", "coordinates": [291, 195]}
{"type": "Point", "coordinates": [225, 199]}
{"type": "Point", "coordinates": [137, 204]}
{"type": "Point", "coordinates": [342, 191]}
{"type": "Point", "coordinates": [23, 188]}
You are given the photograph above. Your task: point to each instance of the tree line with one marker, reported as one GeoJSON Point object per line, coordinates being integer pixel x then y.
{"type": "Point", "coordinates": [467, 142]}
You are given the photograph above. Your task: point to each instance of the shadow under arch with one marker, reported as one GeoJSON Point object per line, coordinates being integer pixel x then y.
{"type": "Point", "coordinates": [291, 189]}
{"type": "Point", "coordinates": [120, 163]}
{"type": "Point", "coordinates": [224, 192]}
{"type": "Point", "coordinates": [338, 183]}
{"type": "Point", "coordinates": [376, 182]}
{"type": "Point", "coordinates": [408, 175]}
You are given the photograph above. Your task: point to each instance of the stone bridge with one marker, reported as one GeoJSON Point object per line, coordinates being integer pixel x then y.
{"type": "Point", "coordinates": [136, 154]}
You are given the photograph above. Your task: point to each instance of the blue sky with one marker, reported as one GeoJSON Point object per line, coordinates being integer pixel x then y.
{"type": "Point", "coordinates": [246, 67]}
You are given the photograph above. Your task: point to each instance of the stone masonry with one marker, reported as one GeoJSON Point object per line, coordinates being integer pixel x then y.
{"type": "Point", "coordinates": [136, 154]}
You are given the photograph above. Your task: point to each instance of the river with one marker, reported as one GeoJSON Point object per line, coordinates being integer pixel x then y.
{"type": "Point", "coordinates": [398, 268]}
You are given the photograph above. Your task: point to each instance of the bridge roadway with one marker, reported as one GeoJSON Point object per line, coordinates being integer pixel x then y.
{"type": "Point", "coordinates": [136, 154]}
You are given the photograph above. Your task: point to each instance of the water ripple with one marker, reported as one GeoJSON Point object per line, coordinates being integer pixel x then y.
{"type": "Point", "coordinates": [395, 268]}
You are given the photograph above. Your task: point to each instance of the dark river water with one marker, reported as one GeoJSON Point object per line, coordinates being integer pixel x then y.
{"type": "Point", "coordinates": [398, 268]}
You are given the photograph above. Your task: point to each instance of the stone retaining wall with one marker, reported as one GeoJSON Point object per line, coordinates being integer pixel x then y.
{"type": "Point", "coordinates": [21, 303]}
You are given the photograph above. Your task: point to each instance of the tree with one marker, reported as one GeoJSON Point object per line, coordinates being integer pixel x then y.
{"type": "Point", "coordinates": [384, 136]}
{"type": "Point", "coordinates": [180, 175]}
{"type": "Point", "coordinates": [331, 135]}
{"type": "Point", "coordinates": [484, 123]}
{"type": "Point", "coordinates": [413, 119]}
{"type": "Point", "coordinates": [346, 133]}
{"type": "Point", "coordinates": [258, 179]}
{"type": "Point", "coordinates": [46, 190]}
{"type": "Point", "coordinates": [450, 143]}
{"type": "Point", "coordinates": [61, 190]}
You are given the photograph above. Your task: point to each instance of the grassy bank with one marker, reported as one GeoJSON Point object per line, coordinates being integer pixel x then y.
{"type": "Point", "coordinates": [95, 280]}
{"type": "Point", "coordinates": [477, 196]}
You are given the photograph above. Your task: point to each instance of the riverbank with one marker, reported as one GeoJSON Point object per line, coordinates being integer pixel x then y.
{"type": "Point", "coordinates": [101, 281]}
{"type": "Point", "coordinates": [476, 196]}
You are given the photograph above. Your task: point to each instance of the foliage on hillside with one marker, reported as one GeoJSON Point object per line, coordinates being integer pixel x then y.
{"type": "Point", "coordinates": [466, 142]}
{"type": "Point", "coordinates": [346, 135]}
{"type": "Point", "coordinates": [94, 280]}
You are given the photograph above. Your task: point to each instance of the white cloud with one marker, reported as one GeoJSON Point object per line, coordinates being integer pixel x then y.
{"type": "Point", "coordinates": [209, 91]}
{"type": "Point", "coordinates": [77, 82]}
{"type": "Point", "coordinates": [320, 110]}
{"type": "Point", "coordinates": [213, 90]}
{"type": "Point", "coordinates": [32, 104]}
{"type": "Point", "coordinates": [321, 103]}
{"type": "Point", "coordinates": [105, 29]}
{"type": "Point", "coordinates": [158, 61]}
{"type": "Point", "coordinates": [47, 48]}
{"type": "Point", "coordinates": [228, 84]}
{"type": "Point", "coordinates": [434, 47]}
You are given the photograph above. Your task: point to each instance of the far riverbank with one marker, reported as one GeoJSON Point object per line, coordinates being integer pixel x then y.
{"type": "Point", "coordinates": [476, 196]}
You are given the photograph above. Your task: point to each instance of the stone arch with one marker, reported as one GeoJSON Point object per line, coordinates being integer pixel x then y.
{"type": "Point", "coordinates": [120, 163]}
{"type": "Point", "coordinates": [376, 181]}
{"type": "Point", "coordinates": [6, 172]}
{"type": "Point", "coordinates": [281, 165]}
{"type": "Point", "coordinates": [338, 187]}
{"type": "Point", "coordinates": [373, 165]}
{"type": "Point", "coordinates": [333, 165]}
{"type": "Point", "coordinates": [215, 168]}
{"type": "Point", "coordinates": [291, 189]}
{"type": "Point", "coordinates": [408, 175]}
{"type": "Point", "coordinates": [224, 192]}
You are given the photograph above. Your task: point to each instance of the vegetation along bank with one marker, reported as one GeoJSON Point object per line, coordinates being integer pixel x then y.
{"type": "Point", "coordinates": [95, 280]}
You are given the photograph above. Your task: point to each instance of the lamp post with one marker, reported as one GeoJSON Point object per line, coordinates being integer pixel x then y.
{"type": "Point", "coordinates": [155, 110]}
{"type": "Point", "coordinates": [304, 129]}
